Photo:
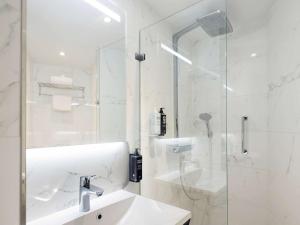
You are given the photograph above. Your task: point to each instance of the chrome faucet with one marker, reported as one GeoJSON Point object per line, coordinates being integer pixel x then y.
{"type": "Point", "coordinates": [85, 190]}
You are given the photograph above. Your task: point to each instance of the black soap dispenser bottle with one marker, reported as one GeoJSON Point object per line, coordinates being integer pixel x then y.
{"type": "Point", "coordinates": [135, 166]}
{"type": "Point", "coordinates": [163, 122]}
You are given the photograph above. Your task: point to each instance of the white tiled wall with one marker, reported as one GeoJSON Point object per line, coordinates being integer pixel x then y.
{"type": "Point", "coordinates": [112, 92]}
{"type": "Point", "coordinates": [284, 112]}
{"type": "Point", "coordinates": [10, 111]}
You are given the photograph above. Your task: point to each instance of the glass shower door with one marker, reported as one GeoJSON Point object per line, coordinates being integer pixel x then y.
{"type": "Point", "coordinates": [184, 75]}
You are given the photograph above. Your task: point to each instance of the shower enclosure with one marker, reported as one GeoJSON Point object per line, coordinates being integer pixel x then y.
{"type": "Point", "coordinates": [185, 73]}
{"type": "Point", "coordinates": [228, 80]}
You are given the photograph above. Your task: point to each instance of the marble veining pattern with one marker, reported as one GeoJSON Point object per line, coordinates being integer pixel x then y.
{"type": "Point", "coordinates": [10, 110]}
{"type": "Point", "coordinates": [12, 27]}
{"type": "Point", "coordinates": [112, 89]}
{"type": "Point", "coordinates": [286, 79]}
{"type": "Point", "coordinates": [10, 76]}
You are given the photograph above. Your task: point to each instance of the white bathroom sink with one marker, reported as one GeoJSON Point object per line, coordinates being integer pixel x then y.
{"type": "Point", "coordinates": [119, 208]}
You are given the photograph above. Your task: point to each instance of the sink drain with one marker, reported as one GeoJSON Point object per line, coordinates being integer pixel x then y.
{"type": "Point", "coordinates": [99, 216]}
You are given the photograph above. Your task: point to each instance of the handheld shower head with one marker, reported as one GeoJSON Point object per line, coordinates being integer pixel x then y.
{"type": "Point", "coordinates": [207, 117]}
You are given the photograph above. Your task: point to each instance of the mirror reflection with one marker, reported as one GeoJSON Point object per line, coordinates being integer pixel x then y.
{"type": "Point", "coordinates": [75, 73]}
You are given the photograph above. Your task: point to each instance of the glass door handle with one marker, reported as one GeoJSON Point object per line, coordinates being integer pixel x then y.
{"type": "Point", "coordinates": [244, 133]}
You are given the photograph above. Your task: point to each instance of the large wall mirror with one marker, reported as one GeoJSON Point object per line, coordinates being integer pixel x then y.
{"type": "Point", "coordinates": [75, 73]}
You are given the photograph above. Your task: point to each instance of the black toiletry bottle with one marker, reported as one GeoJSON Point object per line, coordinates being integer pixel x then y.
{"type": "Point", "coordinates": [135, 166]}
{"type": "Point", "coordinates": [163, 122]}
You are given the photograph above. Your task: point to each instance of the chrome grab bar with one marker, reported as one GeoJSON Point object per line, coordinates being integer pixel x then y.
{"type": "Point", "coordinates": [244, 132]}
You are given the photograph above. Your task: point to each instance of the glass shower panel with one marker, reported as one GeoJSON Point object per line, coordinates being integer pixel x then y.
{"type": "Point", "coordinates": [263, 74]}
{"type": "Point", "coordinates": [185, 74]}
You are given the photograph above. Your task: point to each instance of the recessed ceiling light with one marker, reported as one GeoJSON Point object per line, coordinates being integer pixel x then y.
{"type": "Point", "coordinates": [107, 19]}
{"type": "Point", "coordinates": [253, 55]}
{"type": "Point", "coordinates": [62, 54]}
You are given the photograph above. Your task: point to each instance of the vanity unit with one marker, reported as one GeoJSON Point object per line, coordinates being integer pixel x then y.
{"type": "Point", "coordinates": [119, 208]}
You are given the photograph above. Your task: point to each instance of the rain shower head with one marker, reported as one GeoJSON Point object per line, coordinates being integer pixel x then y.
{"type": "Point", "coordinates": [215, 24]}
{"type": "Point", "coordinates": [205, 116]}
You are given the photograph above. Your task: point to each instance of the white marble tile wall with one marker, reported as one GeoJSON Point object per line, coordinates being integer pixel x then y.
{"type": "Point", "coordinates": [53, 174]}
{"type": "Point", "coordinates": [247, 174]}
{"type": "Point", "coordinates": [112, 92]}
{"type": "Point", "coordinates": [47, 127]}
{"type": "Point", "coordinates": [10, 11]}
{"type": "Point", "coordinates": [284, 111]}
